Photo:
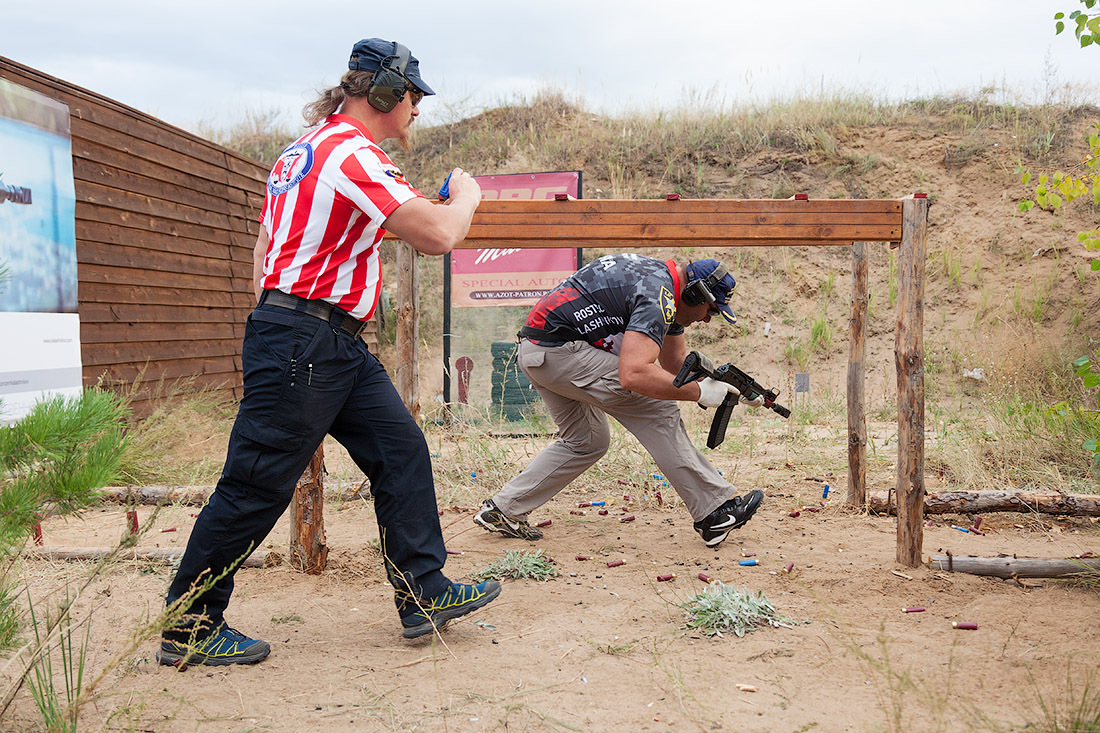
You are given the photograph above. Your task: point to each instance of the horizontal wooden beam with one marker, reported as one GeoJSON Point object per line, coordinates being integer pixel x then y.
{"type": "Point", "coordinates": [622, 223]}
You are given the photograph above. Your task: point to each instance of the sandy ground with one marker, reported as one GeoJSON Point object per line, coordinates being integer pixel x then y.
{"type": "Point", "coordinates": [604, 649]}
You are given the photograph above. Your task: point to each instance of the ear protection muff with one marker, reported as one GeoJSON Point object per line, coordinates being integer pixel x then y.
{"type": "Point", "coordinates": [701, 290]}
{"type": "Point", "coordinates": [387, 87]}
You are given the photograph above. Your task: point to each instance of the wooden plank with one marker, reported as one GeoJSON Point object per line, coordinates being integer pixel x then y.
{"type": "Point", "coordinates": [657, 230]}
{"type": "Point", "coordinates": [690, 206]}
{"type": "Point", "coordinates": [93, 253]}
{"type": "Point", "coordinates": [145, 313]}
{"type": "Point", "coordinates": [1004, 566]}
{"type": "Point", "coordinates": [857, 422]}
{"type": "Point", "coordinates": [133, 145]}
{"type": "Point", "coordinates": [909, 361]}
{"type": "Point", "coordinates": [219, 367]}
{"type": "Point", "coordinates": [247, 168]}
{"type": "Point", "coordinates": [110, 292]}
{"type": "Point", "coordinates": [98, 356]}
{"type": "Point", "coordinates": [151, 389]}
{"type": "Point", "coordinates": [96, 194]}
{"type": "Point", "coordinates": [796, 218]}
{"type": "Point", "coordinates": [88, 232]}
{"type": "Point", "coordinates": [120, 217]}
{"type": "Point", "coordinates": [91, 152]}
{"type": "Point", "coordinates": [125, 332]}
{"type": "Point", "coordinates": [129, 276]}
{"type": "Point", "coordinates": [147, 184]}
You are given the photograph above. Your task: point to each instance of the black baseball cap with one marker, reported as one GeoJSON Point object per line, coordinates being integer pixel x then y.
{"type": "Point", "coordinates": [370, 53]}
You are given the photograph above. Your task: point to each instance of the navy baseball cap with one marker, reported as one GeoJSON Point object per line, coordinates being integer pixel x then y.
{"type": "Point", "coordinates": [368, 55]}
{"type": "Point", "coordinates": [703, 269]}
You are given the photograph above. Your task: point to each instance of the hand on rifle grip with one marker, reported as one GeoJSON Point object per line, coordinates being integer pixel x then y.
{"type": "Point", "coordinates": [712, 392]}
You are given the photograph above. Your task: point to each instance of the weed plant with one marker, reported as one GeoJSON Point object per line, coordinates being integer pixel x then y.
{"type": "Point", "coordinates": [520, 565]}
{"type": "Point", "coordinates": [722, 609]}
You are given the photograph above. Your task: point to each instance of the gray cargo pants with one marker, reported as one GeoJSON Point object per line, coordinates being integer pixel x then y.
{"type": "Point", "coordinates": [580, 385]}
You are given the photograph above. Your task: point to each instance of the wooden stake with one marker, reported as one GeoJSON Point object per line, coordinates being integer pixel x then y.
{"type": "Point", "coordinates": [308, 550]}
{"type": "Point", "coordinates": [909, 360]}
{"type": "Point", "coordinates": [408, 327]}
{"type": "Point", "coordinates": [857, 423]}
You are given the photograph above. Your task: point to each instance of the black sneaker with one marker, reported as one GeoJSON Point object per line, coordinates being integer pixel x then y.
{"type": "Point", "coordinates": [457, 600]}
{"type": "Point", "coordinates": [716, 526]}
{"type": "Point", "coordinates": [495, 520]}
{"type": "Point", "coordinates": [224, 646]}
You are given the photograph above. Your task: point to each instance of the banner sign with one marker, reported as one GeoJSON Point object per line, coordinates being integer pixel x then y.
{"type": "Point", "coordinates": [494, 277]}
{"type": "Point", "coordinates": [38, 299]}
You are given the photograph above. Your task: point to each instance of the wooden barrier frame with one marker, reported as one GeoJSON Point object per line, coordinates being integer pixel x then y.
{"type": "Point", "coordinates": [674, 222]}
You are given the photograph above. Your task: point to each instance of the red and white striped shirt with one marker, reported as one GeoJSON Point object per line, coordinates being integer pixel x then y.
{"type": "Point", "coordinates": [327, 197]}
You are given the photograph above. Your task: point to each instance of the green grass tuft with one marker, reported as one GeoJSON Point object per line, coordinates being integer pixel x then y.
{"type": "Point", "coordinates": [721, 609]}
{"type": "Point", "coordinates": [521, 565]}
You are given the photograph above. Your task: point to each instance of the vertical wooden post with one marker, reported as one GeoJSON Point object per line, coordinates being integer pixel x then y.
{"type": "Point", "coordinates": [308, 550]}
{"type": "Point", "coordinates": [857, 422]}
{"type": "Point", "coordinates": [408, 328]}
{"type": "Point", "coordinates": [909, 359]}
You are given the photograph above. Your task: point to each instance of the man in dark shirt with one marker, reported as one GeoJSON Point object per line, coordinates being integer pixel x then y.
{"type": "Point", "coordinates": [608, 341]}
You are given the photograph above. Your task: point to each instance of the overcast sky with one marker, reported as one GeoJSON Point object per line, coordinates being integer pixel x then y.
{"type": "Point", "coordinates": [195, 61]}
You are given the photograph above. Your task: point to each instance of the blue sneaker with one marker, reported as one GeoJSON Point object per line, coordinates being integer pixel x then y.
{"type": "Point", "coordinates": [224, 646]}
{"type": "Point", "coordinates": [457, 600]}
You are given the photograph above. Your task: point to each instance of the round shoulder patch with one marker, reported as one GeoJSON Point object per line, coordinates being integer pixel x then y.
{"type": "Point", "coordinates": [668, 305]}
{"type": "Point", "coordinates": [291, 167]}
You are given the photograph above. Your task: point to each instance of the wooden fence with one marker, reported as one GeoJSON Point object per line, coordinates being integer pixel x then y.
{"type": "Point", "coordinates": [166, 223]}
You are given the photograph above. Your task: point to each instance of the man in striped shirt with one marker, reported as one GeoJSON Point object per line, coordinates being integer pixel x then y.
{"type": "Point", "coordinates": [331, 197]}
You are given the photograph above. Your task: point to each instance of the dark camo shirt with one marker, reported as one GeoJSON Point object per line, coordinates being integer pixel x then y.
{"type": "Point", "coordinates": [606, 298]}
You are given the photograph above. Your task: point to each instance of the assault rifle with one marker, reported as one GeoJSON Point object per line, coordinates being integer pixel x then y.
{"type": "Point", "coordinates": [696, 366]}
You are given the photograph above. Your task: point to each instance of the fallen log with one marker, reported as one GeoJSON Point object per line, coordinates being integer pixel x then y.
{"type": "Point", "coordinates": [1006, 566]}
{"type": "Point", "coordinates": [157, 494]}
{"type": "Point", "coordinates": [258, 559]}
{"type": "Point", "coordinates": [197, 495]}
{"type": "Point", "coordinates": [968, 502]}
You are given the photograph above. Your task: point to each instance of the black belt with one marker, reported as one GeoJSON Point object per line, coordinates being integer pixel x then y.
{"type": "Point", "coordinates": [316, 308]}
{"type": "Point", "coordinates": [538, 336]}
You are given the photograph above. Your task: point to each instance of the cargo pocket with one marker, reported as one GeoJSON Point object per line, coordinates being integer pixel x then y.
{"type": "Point", "coordinates": [265, 457]}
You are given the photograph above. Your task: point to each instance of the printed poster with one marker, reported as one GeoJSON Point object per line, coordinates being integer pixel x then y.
{"type": "Point", "coordinates": [40, 356]}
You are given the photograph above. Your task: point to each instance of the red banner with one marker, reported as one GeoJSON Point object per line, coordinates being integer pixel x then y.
{"type": "Point", "coordinates": [484, 277]}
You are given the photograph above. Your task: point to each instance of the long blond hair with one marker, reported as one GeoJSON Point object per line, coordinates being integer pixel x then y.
{"type": "Point", "coordinates": [353, 84]}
